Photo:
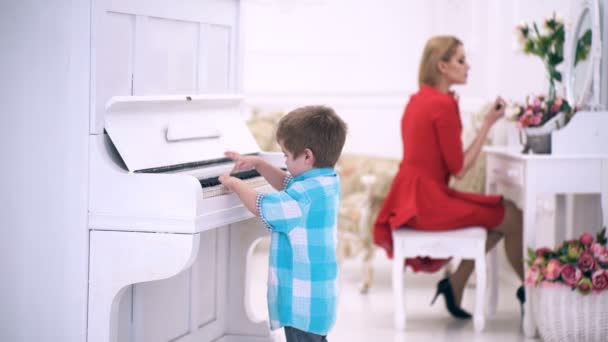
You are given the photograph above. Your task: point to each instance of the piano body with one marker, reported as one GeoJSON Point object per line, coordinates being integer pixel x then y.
{"type": "Point", "coordinates": [154, 201]}
{"type": "Point", "coordinates": [168, 248]}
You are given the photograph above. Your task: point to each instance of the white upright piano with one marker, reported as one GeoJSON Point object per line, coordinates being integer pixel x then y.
{"type": "Point", "coordinates": [157, 211]}
{"type": "Point", "coordinates": [578, 163]}
{"type": "Point", "coordinates": [168, 246]}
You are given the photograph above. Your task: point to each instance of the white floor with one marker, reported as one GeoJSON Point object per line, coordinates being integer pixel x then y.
{"type": "Point", "coordinates": [369, 317]}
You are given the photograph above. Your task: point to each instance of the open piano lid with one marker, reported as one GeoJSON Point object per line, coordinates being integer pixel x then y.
{"type": "Point", "coordinates": [157, 131]}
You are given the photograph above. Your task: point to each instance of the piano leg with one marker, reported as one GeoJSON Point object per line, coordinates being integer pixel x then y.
{"type": "Point", "coordinates": [120, 259]}
{"type": "Point", "coordinates": [240, 323]}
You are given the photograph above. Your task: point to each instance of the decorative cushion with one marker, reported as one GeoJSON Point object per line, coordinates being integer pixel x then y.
{"type": "Point", "coordinates": [474, 180]}
{"type": "Point", "coordinates": [263, 126]}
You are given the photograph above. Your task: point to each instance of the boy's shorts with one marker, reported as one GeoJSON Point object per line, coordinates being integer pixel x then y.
{"type": "Point", "coordinates": [296, 335]}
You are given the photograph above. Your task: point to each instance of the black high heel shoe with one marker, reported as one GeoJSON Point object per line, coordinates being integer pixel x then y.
{"type": "Point", "coordinates": [445, 288]}
{"type": "Point", "coordinates": [521, 297]}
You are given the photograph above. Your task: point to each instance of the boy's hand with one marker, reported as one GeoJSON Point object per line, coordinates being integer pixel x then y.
{"type": "Point", "coordinates": [246, 193]}
{"type": "Point", "coordinates": [227, 181]}
{"type": "Point", "coordinates": [242, 162]}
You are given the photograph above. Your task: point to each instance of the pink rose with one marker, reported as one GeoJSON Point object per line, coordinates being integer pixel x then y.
{"type": "Point", "coordinates": [539, 261]}
{"type": "Point", "coordinates": [600, 279]}
{"type": "Point", "coordinates": [541, 251]}
{"type": "Point", "coordinates": [586, 239]}
{"type": "Point", "coordinates": [559, 101]}
{"type": "Point", "coordinates": [586, 262]}
{"type": "Point", "coordinates": [597, 249]}
{"type": "Point", "coordinates": [533, 275]}
{"type": "Point", "coordinates": [554, 108]}
{"type": "Point", "coordinates": [571, 275]}
{"type": "Point", "coordinates": [584, 285]}
{"type": "Point", "coordinates": [552, 270]}
{"type": "Point", "coordinates": [602, 257]}
{"type": "Point", "coordinates": [574, 252]}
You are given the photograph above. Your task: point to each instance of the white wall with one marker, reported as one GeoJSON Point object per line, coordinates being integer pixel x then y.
{"type": "Point", "coordinates": [44, 115]}
{"type": "Point", "coordinates": [362, 57]}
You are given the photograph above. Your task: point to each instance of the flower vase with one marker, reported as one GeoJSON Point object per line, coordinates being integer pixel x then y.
{"type": "Point", "coordinates": [538, 139]}
{"type": "Point", "coordinates": [563, 314]}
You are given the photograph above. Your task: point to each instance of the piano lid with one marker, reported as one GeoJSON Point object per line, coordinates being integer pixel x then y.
{"type": "Point", "coordinates": [156, 131]}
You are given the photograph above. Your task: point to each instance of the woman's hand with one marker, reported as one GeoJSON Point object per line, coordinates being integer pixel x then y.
{"type": "Point", "coordinates": [496, 112]}
{"type": "Point", "coordinates": [242, 162]}
{"type": "Point", "coordinates": [470, 154]}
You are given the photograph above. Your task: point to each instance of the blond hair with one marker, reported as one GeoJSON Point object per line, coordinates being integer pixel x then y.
{"type": "Point", "coordinates": [438, 48]}
{"type": "Point", "coordinates": [317, 128]}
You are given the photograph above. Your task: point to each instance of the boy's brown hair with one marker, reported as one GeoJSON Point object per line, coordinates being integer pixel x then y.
{"type": "Point", "coordinates": [317, 128]}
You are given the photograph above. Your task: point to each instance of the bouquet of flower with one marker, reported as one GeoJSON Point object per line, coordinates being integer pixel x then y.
{"type": "Point", "coordinates": [579, 264]}
{"type": "Point", "coordinates": [537, 110]}
{"type": "Point", "coordinates": [548, 45]}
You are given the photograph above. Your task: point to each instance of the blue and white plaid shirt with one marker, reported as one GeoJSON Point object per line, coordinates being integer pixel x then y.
{"type": "Point", "coordinates": [303, 271]}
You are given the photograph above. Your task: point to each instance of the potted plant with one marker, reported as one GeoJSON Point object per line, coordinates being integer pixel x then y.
{"type": "Point", "coordinates": [538, 117]}
{"type": "Point", "coordinates": [570, 289]}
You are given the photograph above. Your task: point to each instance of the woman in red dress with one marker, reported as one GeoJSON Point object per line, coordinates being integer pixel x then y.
{"type": "Point", "coordinates": [432, 152]}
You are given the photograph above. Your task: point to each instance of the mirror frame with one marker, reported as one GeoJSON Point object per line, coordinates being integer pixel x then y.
{"type": "Point", "coordinates": [589, 96]}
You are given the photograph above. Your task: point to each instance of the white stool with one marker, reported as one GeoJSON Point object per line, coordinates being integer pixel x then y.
{"type": "Point", "coordinates": [466, 243]}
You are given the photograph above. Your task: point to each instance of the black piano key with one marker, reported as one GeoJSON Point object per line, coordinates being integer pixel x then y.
{"type": "Point", "coordinates": [213, 181]}
{"type": "Point", "coordinates": [190, 166]}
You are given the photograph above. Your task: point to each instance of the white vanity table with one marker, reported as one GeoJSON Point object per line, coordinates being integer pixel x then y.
{"type": "Point", "coordinates": [524, 177]}
{"type": "Point", "coordinates": [578, 163]}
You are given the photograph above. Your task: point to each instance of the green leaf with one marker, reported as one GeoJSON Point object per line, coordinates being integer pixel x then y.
{"type": "Point", "coordinates": [558, 76]}
{"type": "Point", "coordinates": [529, 47]}
{"type": "Point", "coordinates": [555, 59]}
{"type": "Point", "coordinates": [583, 47]}
{"type": "Point", "coordinates": [559, 34]}
{"type": "Point", "coordinates": [586, 38]}
{"type": "Point", "coordinates": [531, 256]}
{"type": "Point", "coordinates": [536, 29]}
{"type": "Point", "coordinates": [601, 237]}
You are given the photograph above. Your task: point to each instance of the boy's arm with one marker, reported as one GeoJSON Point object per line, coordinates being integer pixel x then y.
{"type": "Point", "coordinates": [279, 210]}
{"type": "Point", "coordinates": [271, 173]}
{"type": "Point", "coordinates": [245, 192]}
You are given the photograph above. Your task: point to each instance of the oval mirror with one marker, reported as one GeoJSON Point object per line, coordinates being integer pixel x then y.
{"type": "Point", "coordinates": [580, 77]}
{"type": "Point", "coordinates": [581, 63]}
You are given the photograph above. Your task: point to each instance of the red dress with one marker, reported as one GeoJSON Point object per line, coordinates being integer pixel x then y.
{"type": "Point", "coordinates": [419, 196]}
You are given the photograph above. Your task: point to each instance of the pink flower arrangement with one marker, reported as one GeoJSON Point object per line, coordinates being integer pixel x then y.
{"type": "Point", "coordinates": [537, 110]}
{"type": "Point", "coordinates": [580, 264]}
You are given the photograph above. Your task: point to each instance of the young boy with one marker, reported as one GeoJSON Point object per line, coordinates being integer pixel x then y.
{"type": "Point", "coordinates": [302, 218]}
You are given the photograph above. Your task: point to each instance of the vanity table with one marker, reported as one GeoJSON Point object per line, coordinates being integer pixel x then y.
{"type": "Point", "coordinates": [523, 177]}
{"type": "Point", "coordinates": [578, 163]}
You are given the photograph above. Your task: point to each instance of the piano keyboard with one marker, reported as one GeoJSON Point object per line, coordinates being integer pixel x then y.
{"type": "Point", "coordinates": [212, 186]}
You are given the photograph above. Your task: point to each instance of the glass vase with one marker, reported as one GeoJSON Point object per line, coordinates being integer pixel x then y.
{"type": "Point", "coordinates": [538, 139]}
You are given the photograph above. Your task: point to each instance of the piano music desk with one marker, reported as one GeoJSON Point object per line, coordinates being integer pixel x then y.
{"type": "Point", "coordinates": [530, 175]}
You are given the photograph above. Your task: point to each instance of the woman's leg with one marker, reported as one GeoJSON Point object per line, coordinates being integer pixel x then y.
{"type": "Point", "coordinates": [511, 230]}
